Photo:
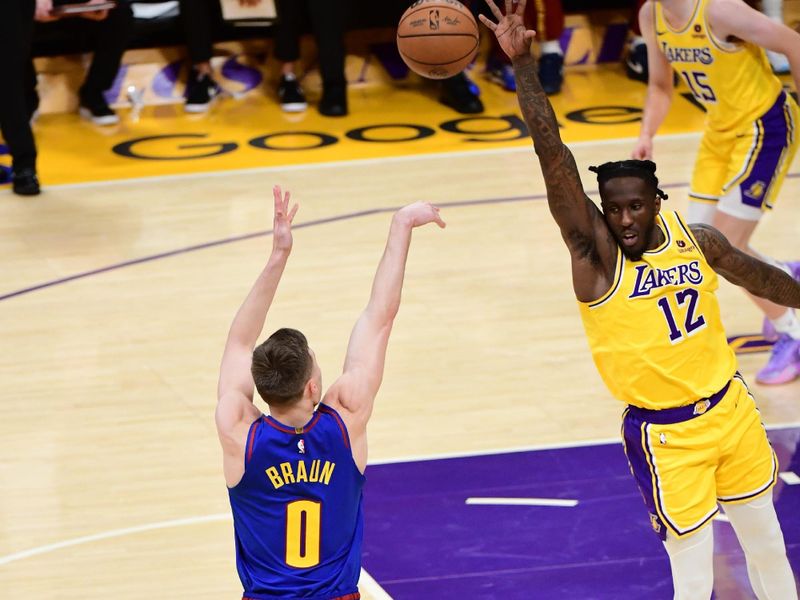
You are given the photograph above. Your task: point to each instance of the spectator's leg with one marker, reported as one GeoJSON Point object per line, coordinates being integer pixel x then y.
{"type": "Point", "coordinates": [16, 29]}
{"type": "Point", "coordinates": [329, 20]}
{"type": "Point", "coordinates": [636, 60]}
{"type": "Point", "coordinates": [287, 51]}
{"type": "Point", "coordinates": [111, 39]}
{"type": "Point", "coordinates": [287, 33]}
{"type": "Point", "coordinates": [199, 19]}
{"type": "Point", "coordinates": [547, 18]}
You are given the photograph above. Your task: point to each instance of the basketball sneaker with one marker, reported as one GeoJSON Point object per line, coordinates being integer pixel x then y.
{"type": "Point", "coordinates": [93, 106]}
{"type": "Point", "coordinates": [636, 62]}
{"type": "Point", "coordinates": [501, 73]}
{"type": "Point", "coordinates": [334, 101]}
{"type": "Point", "coordinates": [768, 329]}
{"type": "Point", "coordinates": [551, 72]}
{"type": "Point", "coordinates": [201, 90]}
{"type": "Point", "coordinates": [24, 182]}
{"type": "Point", "coordinates": [291, 95]}
{"type": "Point", "coordinates": [459, 93]}
{"type": "Point", "coordinates": [784, 362]}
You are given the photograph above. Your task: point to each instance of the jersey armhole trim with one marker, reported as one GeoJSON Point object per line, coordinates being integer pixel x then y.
{"type": "Point", "coordinates": [251, 438]}
{"type": "Point", "coordinates": [618, 271]}
{"type": "Point", "coordinates": [687, 230]}
{"type": "Point", "coordinates": [339, 421]}
{"type": "Point", "coordinates": [721, 45]}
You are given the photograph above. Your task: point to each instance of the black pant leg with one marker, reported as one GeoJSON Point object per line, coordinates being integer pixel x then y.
{"type": "Point", "coordinates": [111, 39]}
{"type": "Point", "coordinates": [199, 19]}
{"type": "Point", "coordinates": [288, 29]}
{"type": "Point", "coordinates": [16, 30]}
{"type": "Point", "coordinates": [329, 19]}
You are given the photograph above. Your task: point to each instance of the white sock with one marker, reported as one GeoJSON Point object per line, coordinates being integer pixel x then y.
{"type": "Point", "coordinates": [788, 323]}
{"type": "Point", "coordinates": [551, 47]}
{"type": "Point", "coordinates": [773, 9]}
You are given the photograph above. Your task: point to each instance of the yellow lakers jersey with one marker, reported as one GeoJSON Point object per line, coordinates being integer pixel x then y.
{"type": "Point", "coordinates": [656, 336]}
{"type": "Point", "coordinates": [734, 81]}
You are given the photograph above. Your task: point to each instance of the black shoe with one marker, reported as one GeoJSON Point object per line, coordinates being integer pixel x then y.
{"type": "Point", "coordinates": [201, 89]}
{"type": "Point", "coordinates": [636, 63]}
{"type": "Point", "coordinates": [551, 72]}
{"type": "Point", "coordinates": [25, 182]}
{"type": "Point", "coordinates": [93, 106]}
{"type": "Point", "coordinates": [333, 102]}
{"type": "Point", "coordinates": [457, 93]}
{"type": "Point", "coordinates": [291, 95]}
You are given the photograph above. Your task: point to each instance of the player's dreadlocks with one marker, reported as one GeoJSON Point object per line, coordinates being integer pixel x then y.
{"type": "Point", "coordinates": [644, 169]}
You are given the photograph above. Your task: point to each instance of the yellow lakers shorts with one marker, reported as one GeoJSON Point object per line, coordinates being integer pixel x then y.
{"type": "Point", "coordinates": [742, 170]}
{"type": "Point", "coordinates": [686, 460]}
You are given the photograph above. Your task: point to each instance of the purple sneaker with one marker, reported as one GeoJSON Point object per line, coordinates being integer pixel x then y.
{"type": "Point", "coordinates": [768, 329]}
{"type": "Point", "coordinates": [784, 362]}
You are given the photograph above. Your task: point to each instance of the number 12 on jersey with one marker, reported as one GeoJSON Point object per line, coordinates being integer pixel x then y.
{"type": "Point", "coordinates": [691, 324]}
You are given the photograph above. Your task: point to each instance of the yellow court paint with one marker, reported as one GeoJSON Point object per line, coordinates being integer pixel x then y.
{"type": "Point", "coordinates": [390, 120]}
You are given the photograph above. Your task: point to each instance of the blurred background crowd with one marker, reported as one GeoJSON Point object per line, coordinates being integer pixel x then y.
{"type": "Point", "coordinates": [108, 28]}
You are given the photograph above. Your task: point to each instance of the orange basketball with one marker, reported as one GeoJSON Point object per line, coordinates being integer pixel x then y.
{"type": "Point", "coordinates": [437, 38]}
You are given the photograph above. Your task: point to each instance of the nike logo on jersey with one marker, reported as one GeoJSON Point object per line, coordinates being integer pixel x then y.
{"type": "Point", "coordinates": [649, 279]}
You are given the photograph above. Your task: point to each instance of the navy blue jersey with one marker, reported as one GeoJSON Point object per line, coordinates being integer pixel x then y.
{"type": "Point", "coordinates": [297, 512]}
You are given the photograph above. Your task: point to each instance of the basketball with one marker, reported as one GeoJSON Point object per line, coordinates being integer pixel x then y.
{"type": "Point", "coordinates": [437, 38]}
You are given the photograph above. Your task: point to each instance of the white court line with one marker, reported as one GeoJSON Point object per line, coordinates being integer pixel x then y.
{"type": "Point", "coordinates": [522, 502]}
{"type": "Point", "coordinates": [226, 516]}
{"type": "Point", "coordinates": [553, 446]}
{"type": "Point", "coordinates": [372, 587]}
{"type": "Point", "coordinates": [335, 164]}
{"type": "Point", "coordinates": [789, 478]}
{"type": "Point", "coordinates": [4, 560]}
{"type": "Point", "coordinates": [375, 590]}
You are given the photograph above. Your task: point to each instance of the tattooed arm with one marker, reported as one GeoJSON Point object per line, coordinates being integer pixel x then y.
{"type": "Point", "coordinates": [756, 276]}
{"type": "Point", "coordinates": [583, 228]}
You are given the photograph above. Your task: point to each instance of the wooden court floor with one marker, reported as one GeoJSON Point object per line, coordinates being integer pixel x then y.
{"type": "Point", "coordinates": [115, 300]}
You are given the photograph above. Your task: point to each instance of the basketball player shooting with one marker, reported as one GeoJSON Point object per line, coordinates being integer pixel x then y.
{"type": "Point", "coordinates": [295, 476]}
{"type": "Point", "coordinates": [645, 282]}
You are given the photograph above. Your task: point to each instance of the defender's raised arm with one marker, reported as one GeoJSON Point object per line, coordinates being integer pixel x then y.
{"type": "Point", "coordinates": [582, 226]}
